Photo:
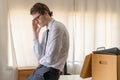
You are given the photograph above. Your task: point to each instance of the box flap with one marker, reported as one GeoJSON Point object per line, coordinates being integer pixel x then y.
{"type": "Point", "coordinates": [86, 69]}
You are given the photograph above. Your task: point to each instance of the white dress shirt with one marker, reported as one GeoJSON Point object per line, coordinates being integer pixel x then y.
{"type": "Point", "coordinates": [56, 52]}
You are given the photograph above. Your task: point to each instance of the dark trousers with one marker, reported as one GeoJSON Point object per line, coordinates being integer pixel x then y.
{"type": "Point", "coordinates": [45, 73]}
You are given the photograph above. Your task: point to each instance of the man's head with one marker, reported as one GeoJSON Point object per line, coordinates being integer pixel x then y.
{"type": "Point", "coordinates": [41, 13]}
{"type": "Point", "coordinates": [40, 8]}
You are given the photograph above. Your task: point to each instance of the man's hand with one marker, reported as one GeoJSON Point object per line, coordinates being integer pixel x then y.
{"type": "Point", "coordinates": [36, 29]}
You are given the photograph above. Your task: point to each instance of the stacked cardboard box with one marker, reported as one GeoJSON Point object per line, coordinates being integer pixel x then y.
{"type": "Point", "coordinates": [101, 67]}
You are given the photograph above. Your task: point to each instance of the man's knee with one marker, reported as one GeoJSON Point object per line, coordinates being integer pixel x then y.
{"type": "Point", "coordinates": [36, 77]}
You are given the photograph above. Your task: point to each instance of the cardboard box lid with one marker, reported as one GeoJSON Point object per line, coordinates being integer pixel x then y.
{"type": "Point", "coordinates": [87, 67]}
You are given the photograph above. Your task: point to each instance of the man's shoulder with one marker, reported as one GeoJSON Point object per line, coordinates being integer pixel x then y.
{"type": "Point", "coordinates": [58, 25]}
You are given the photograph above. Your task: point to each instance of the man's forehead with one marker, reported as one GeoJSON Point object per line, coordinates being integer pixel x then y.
{"type": "Point", "coordinates": [35, 14]}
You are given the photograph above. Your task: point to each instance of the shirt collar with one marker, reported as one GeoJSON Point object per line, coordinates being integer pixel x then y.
{"type": "Point", "coordinates": [50, 24]}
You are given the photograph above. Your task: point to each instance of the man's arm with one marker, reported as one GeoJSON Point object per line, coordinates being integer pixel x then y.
{"type": "Point", "coordinates": [37, 49]}
{"type": "Point", "coordinates": [37, 46]}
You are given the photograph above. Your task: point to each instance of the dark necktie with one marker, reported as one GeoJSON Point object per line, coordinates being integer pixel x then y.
{"type": "Point", "coordinates": [47, 31]}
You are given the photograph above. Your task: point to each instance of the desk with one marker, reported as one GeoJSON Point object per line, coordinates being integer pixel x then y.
{"type": "Point", "coordinates": [24, 72]}
{"type": "Point", "coordinates": [72, 77]}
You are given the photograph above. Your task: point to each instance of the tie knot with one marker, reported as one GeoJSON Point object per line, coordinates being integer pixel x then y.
{"type": "Point", "coordinates": [47, 30]}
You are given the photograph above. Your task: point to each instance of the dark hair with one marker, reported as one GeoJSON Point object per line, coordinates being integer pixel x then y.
{"type": "Point", "coordinates": [41, 8]}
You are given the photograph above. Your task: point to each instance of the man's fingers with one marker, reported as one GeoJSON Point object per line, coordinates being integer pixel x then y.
{"type": "Point", "coordinates": [35, 26]}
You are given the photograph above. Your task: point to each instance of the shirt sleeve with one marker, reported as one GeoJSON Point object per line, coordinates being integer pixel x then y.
{"type": "Point", "coordinates": [37, 48]}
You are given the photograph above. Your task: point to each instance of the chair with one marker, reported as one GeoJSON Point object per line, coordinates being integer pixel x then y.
{"type": "Point", "coordinates": [65, 70]}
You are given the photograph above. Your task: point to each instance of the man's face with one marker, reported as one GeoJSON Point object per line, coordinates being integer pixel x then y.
{"type": "Point", "coordinates": [39, 19]}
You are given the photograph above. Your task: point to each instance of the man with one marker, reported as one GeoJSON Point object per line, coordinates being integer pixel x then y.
{"type": "Point", "coordinates": [52, 51]}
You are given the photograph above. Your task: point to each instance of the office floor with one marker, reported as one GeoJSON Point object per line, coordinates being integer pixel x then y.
{"type": "Point", "coordinates": [72, 77]}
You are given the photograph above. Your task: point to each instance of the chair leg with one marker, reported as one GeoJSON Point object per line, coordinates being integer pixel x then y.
{"type": "Point", "coordinates": [65, 69]}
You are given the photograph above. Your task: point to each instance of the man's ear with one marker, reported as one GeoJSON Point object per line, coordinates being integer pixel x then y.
{"type": "Point", "coordinates": [46, 12]}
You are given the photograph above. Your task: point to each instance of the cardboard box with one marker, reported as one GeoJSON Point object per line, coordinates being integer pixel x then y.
{"type": "Point", "coordinates": [87, 68]}
{"type": "Point", "coordinates": [101, 67]}
{"type": "Point", "coordinates": [105, 67]}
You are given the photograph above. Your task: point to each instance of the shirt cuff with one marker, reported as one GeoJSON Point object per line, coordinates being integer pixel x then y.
{"type": "Point", "coordinates": [36, 41]}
